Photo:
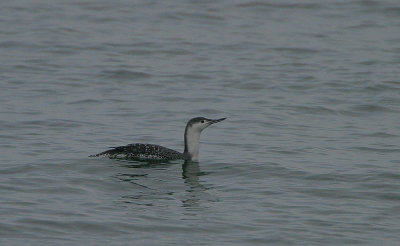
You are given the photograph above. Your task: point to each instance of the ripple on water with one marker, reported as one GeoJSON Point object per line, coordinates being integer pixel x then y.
{"type": "Point", "coordinates": [377, 150]}
{"type": "Point", "coordinates": [260, 4]}
{"type": "Point", "coordinates": [375, 135]}
{"type": "Point", "coordinates": [307, 109]}
{"type": "Point", "coordinates": [85, 101]}
{"type": "Point", "coordinates": [370, 108]}
{"type": "Point", "coordinates": [125, 74]}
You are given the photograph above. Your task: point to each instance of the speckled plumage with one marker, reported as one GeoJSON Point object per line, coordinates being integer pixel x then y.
{"type": "Point", "coordinates": [142, 152]}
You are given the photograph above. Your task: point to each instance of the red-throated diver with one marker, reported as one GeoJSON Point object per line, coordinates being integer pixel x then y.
{"type": "Point", "coordinates": [156, 152]}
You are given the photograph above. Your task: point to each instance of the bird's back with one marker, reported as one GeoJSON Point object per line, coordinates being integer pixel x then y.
{"type": "Point", "coordinates": [142, 152]}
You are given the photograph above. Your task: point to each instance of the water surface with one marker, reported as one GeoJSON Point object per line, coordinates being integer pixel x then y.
{"type": "Point", "coordinates": [309, 154]}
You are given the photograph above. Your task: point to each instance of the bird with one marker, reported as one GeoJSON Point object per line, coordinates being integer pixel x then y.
{"type": "Point", "coordinates": [139, 151]}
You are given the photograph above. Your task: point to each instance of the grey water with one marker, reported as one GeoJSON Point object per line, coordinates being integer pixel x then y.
{"type": "Point", "coordinates": [309, 154]}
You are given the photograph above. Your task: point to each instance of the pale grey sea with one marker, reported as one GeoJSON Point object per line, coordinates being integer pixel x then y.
{"type": "Point", "coordinates": [309, 154]}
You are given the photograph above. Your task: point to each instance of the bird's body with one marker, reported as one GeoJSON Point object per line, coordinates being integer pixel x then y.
{"type": "Point", "coordinates": [140, 151]}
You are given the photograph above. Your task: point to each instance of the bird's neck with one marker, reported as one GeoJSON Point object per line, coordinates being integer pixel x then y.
{"type": "Point", "coordinates": [192, 141]}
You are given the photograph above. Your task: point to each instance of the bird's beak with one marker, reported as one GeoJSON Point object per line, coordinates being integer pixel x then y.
{"type": "Point", "coordinates": [215, 121]}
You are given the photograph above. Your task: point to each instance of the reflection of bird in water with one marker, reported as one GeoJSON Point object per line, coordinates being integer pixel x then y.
{"type": "Point", "coordinates": [156, 152]}
{"type": "Point", "coordinates": [190, 173]}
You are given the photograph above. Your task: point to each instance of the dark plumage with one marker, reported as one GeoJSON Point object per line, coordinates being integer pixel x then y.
{"type": "Point", "coordinates": [142, 152]}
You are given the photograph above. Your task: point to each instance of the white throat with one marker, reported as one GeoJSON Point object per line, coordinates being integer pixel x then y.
{"type": "Point", "coordinates": [192, 141]}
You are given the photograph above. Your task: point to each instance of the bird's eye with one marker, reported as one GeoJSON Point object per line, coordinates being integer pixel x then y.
{"type": "Point", "coordinates": [202, 121]}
